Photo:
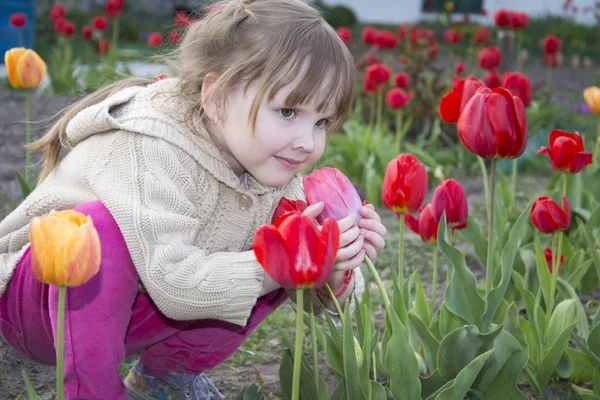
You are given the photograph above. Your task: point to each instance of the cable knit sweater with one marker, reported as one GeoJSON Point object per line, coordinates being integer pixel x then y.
{"type": "Point", "coordinates": [188, 220]}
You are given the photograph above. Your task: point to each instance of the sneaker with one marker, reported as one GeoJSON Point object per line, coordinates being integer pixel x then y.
{"type": "Point", "coordinates": [169, 386]}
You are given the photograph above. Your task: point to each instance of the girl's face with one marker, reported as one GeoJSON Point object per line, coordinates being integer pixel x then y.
{"type": "Point", "coordinates": [286, 140]}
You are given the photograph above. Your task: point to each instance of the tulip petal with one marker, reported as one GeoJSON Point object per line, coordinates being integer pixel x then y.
{"type": "Point", "coordinates": [11, 58]}
{"type": "Point", "coordinates": [82, 255]}
{"type": "Point", "coordinates": [31, 69]}
{"type": "Point", "coordinates": [582, 160]}
{"type": "Point", "coordinates": [40, 250]}
{"type": "Point", "coordinates": [544, 150]}
{"type": "Point", "coordinates": [450, 107]}
{"type": "Point", "coordinates": [300, 235]}
{"type": "Point", "coordinates": [503, 111]}
{"type": "Point", "coordinates": [474, 127]}
{"type": "Point", "coordinates": [557, 133]}
{"type": "Point", "coordinates": [412, 223]}
{"type": "Point", "coordinates": [567, 213]}
{"type": "Point", "coordinates": [329, 244]}
{"type": "Point", "coordinates": [272, 255]}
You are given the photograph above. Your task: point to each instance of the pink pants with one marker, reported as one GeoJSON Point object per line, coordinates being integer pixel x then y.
{"type": "Point", "coordinates": [108, 318]}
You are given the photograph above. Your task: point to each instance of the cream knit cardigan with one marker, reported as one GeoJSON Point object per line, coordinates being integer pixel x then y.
{"type": "Point", "coordinates": [187, 220]}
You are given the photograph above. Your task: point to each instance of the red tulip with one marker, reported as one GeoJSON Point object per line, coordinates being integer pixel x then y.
{"type": "Point", "coordinates": [114, 8]}
{"type": "Point", "coordinates": [459, 68]}
{"type": "Point", "coordinates": [68, 28]}
{"type": "Point", "coordinates": [550, 60]}
{"type": "Point", "coordinates": [402, 80]}
{"type": "Point", "coordinates": [396, 98]}
{"type": "Point", "coordinates": [450, 197]}
{"type": "Point", "coordinates": [502, 18]}
{"type": "Point", "coordinates": [285, 206]}
{"type": "Point", "coordinates": [424, 226]}
{"type": "Point", "coordinates": [100, 23]}
{"type": "Point", "coordinates": [17, 20]}
{"type": "Point", "coordinates": [334, 189]}
{"type": "Point", "coordinates": [493, 124]}
{"type": "Point", "coordinates": [548, 217]}
{"type": "Point", "coordinates": [372, 59]}
{"type": "Point", "coordinates": [489, 58]}
{"type": "Point", "coordinates": [552, 44]}
{"type": "Point", "coordinates": [182, 19]}
{"type": "Point", "coordinates": [404, 31]}
{"type": "Point", "coordinates": [451, 36]}
{"type": "Point", "coordinates": [566, 152]}
{"type": "Point", "coordinates": [58, 11]}
{"type": "Point", "coordinates": [174, 37]}
{"type": "Point", "coordinates": [492, 79]}
{"type": "Point", "coordinates": [404, 185]}
{"type": "Point", "coordinates": [102, 46]}
{"type": "Point", "coordinates": [370, 86]}
{"type": "Point", "coordinates": [295, 253]}
{"type": "Point", "coordinates": [548, 256]}
{"type": "Point", "coordinates": [386, 40]}
{"type": "Point", "coordinates": [377, 75]}
{"type": "Point", "coordinates": [86, 32]}
{"type": "Point", "coordinates": [519, 20]}
{"type": "Point", "coordinates": [345, 34]}
{"type": "Point", "coordinates": [369, 35]}
{"type": "Point", "coordinates": [518, 85]}
{"type": "Point", "coordinates": [155, 39]}
{"type": "Point", "coordinates": [455, 101]}
{"type": "Point", "coordinates": [434, 51]}
{"type": "Point", "coordinates": [482, 35]}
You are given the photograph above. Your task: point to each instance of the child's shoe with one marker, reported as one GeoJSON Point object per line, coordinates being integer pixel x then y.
{"type": "Point", "coordinates": [169, 386]}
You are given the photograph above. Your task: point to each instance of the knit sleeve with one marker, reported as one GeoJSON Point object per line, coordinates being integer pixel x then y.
{"type": "Point", "coordinates": [161, 200]}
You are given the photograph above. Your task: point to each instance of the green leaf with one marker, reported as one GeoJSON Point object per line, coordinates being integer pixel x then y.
{"type": "Point", "coordinates": [377, 392]}
{"type": "Point", "coordinates": [543, 272]}
{"type": "Point", "coordinates": [552, 357]}
{"type": "Point", "coordinates": [462, 346]}
{"type": "Point", "coordinates": [565, 365]}
{"type": "Point", "coordinates": [496, 295]}
{"type": "Point", "coordinates": [421, 307]}
{"type": "Point", "coordinates": [431, 384]}
{"type": "Point", "coordinates": [401, 363]}
{"type": "Point", "coordinates": [472, 233]}
{"type": "Point", "coordinates": [504, 382]}
{"type": "Point", "coordinates": [565, 314]}
{"type": "Point", "coordinates": [333, 355]}
{"type": "Point", "coordinates": [584, 394]}
{"type": "Point", "coordinates": [251, 393]}
{"type": "Point", "coordinates": [340, 391]}
{"type": "Point", "coordinates": [533, 345]}
{"type": "Point", "coordinates": [596, 380]}
{"type": "Point", "coordinates": [567, 290]}
{"type": "Point", "coordinates": [457, 388]}
{"type": "Point", "coordinates": [588, 231]}
{"type": "Point", "coordinates": [431, 345]}
{"type": "Point", "coordinates": [30, 390]}
{"type": "Point", "coordinates": [448, 322]}
{"type": "Point", "coordinates": [26, 189]}
{"type": "Point", "coordinates": [461, 295]}
{"type": "Point", "coordinates": [593, 340]}
{"type": "Point", "coordinates": [583, 367]}
{"type": "Point", "coordinates": [350, 362]}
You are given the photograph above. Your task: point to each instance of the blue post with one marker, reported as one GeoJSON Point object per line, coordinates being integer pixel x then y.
{"type": "Point", "coordinates": [9, 36]}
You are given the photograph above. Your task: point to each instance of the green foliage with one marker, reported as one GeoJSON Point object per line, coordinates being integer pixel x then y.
{"type": "Point", "coordinates": [336, 15]}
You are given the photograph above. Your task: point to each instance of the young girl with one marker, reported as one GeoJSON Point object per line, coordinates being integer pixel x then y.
{"type": "Point", "coordinates": [177, 176]}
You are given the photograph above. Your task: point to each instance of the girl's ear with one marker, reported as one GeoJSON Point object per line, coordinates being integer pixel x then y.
{"type": "Point", "coordinates": [209, 102]}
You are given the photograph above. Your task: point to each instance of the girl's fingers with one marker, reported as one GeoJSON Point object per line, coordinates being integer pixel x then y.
{"type": "Point", "coordinates": [349, 236]}
{"type": "Point", "coordinates": [370, 250]}
{"type": "Point", "coordinates": [369, 212]}
{"type": "Point", "coordinates": [347, 252]}
{"type": "Point", "coordinates": [314, 210]}
{"type": "Point", "coordinates": [351, 263]}
{"type": "Point", "coordinates": [373, 225]}
{"type": "Point", "coordinates": [374, 238]}
{"type": "Point", "coordinates": [347, 223]}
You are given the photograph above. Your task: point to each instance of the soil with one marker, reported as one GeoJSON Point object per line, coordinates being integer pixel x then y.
{"type": "Point", "coordinates": [232, 380]}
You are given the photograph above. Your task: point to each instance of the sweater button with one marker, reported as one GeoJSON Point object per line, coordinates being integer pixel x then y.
{"type": "Point", "coordinates": [244, 202]}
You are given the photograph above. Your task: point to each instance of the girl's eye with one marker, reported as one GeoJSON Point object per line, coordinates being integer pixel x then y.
{"type": "Point", "coordinates": [322, 123]}
{"type": "Point", "coordinates": [287, 113]}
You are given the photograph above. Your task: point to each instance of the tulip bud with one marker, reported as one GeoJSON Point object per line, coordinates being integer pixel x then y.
{"type": "Point", "coordinates": [404, 185]}
{"type": "Point", "coordinates": [518, 85]}
{"type": "Point", "coordinates": [285, 206]}
{"type": "Point", "coordinates": [402, 80]}
{"type": "Point", "coordinates": [548, 217]}
{"type": "Point", "coordinates": [450, 197]}
{"type": "Point", "coordinates": [65, 248]}
{"type": "Point", "coordinates": [492, 79]}
{"type": "Point", "coordinates": [591, 96]}
{"type": "Point", "coordinates": [397, 99]}
{"type": "Point", "coordinates": [549, 259]}
{"type": "Point", "coordinates": [334, 189]}
{"type": "Point", "coordinates": [345, 34]}
{"type": "Point", "coordinates": [566, 152]}
{"type": "Point", "coordinates": [25, 68]}
{"type": "Point", "coordinates": [489, 58]}
{"type": "Point", "coordinates": [425, 226]}
{"type": "Point", "coordinates": [455, 101]}
{"type": "Point", "coordinates": [358, 352]}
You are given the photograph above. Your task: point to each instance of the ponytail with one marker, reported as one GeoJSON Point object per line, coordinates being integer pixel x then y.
{"type": "Point", "coordinates": [52, 142]}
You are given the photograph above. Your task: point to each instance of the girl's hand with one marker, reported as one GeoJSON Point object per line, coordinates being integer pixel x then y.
{"type": "Point", "coordinates": [372, 230]}
{"type": "Point", "coordinates": [351, 253]}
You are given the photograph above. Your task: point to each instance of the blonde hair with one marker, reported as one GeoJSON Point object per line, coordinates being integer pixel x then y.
{"type": "Point", "coordinates": [242, 41]}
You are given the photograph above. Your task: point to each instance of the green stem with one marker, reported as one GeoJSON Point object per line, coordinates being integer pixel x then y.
{"type": "Point", "coordinates": [115, 36]}
{"type": "Point", "coordinates": [489, 270]}
{"type": "Point", "coordinates": [374, 367]}
{"type": "Point", "coordinates": [401, 251]}
{"type": "Point", "coordinates": [514, 178]}
{"type": "Point", "coordinates": [27, 135]}
{"type": "Point", "coordinates": [315, 350]}
{"type": "Point", "coordinates": [549, 79]}
{"type": "Point", "coordinates": [335, 302]}
{"type": "Point", "coordinates": [518, 51]}
{"type": "Point", "coordinates": [564, 188]}
{"type": "Point", "coordinates": [486, 186]}
{"type": "Point", "coordinates": [597, 151]}
{"type": "Point", "coordinates": [378, 122]}
{"type": "Point", "coordinates": [373, 111]}
{"type": "Point", "coordinates": [298, 348]}
{"type": "Point", "coordinates": [379, 283]}
{"type": "Point", "coordinates": [435, 278]}
{"type": "Point", "coordinates": [554, 276]}
{"type": "Point", "coordinates": [398, 130]}
{"type": "Point", "coordinates": [60, 343]}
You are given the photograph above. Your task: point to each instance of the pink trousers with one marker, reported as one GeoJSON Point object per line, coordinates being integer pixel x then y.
{"type": "Point", "coordinates": [108, 318]}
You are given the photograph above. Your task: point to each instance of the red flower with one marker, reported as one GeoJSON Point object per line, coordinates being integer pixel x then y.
{"type": "Point", "coordinates": [402, 80]}
{"type": "Point", "coordinates": [100, 23]}
{"type": "Point", "coordinates": [370, 86]}
{"type": "Point", "coordinates": [182, 20]}
{"type": "Point", "coordinates": [17, 20]}
{"type": "Point", "coordinates": [550, 60]}
{"type": "Point", "coordinates": [424, 226]}
{"type": "Point", "coordinates": [493, 124]}
{"type": "Point", "coordinates": [386, 40]}
{"type": "Point", "coordinates": [492, 79]}
{"type": "Point", "coordinates": [483, 12]}
{"type": "Point", "coordinates": [160, 77]}
{"type": "Point", "coordinates": [345, 34]}
{"type": "Point", "coordinates": [67, 28]}
{"type": "Point", "coordinates": [552, 44]}
{"type": "Point", "coordinates": [372, 59]}
{"type": "Point", "coordinates": [174, 37]}
{"type": "Point", "coordinates": [369, 35]}
{"type": "Point", "coordinates": [397, 99]}
{"type": "Point", "coordinates": [295, 253]}
{"type": "Point", "coordinates": [377, 75]}
{"type": "Point", "coordinates": [285, 206]}
{"type": "Point", "coordinates": [451, 36]}
{"type": "Point", "coordinates": [518, 85]}
{"type": "Point", "coordinates": [155, 39]}
{"type": "Point", "coordinates": [102, 46]}
{"type": "Point", "coordinates": [404, 31]}
{"type": "Point", "coordinates": [519, 20]}
{"type": "Point", "coordinates": [402, 60]}
{"type": "Point", "coordinates": [404, 185]}
{"type": "Point", "coordinates": [502, 18]}
{"type": "Point", "coordinates": [59, 23]}
{"type": "Point", "coordinates": [86, 32]}
{"type": "Point", "coordinates": [566, 152]}
{"type": "Point", "coordinates": [450, 197]}
{"type": "Point", "coordinates": [489, 58]}
{"type": "Point", "coordinates": [334, 189]}
{"type": "Point", "coordinates": [434, 51]}
{"type": "Point", "coordinates": [459, 68]}
{"type": "Point", "coordinates": [455, 101]}
{"type": "Point", "coordinates": [482, 35]}
{"type": "Point", "coordinates": [58, 11]}
{"type": "Point", "coordinates": [548, 256]}
{"type": "Point", "coordinates": [114, 8]}
{"type": "Point", "coordinates": [548, 217]}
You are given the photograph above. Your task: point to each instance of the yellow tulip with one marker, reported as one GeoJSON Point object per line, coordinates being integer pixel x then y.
{"type": "Point", "coordinates": [65, 248]}
{"type": "Point", "coordinates": [449, 6]}
{"type": "Point", "coordinates": [592, 98]}
{"type": "Point", "coordinates": [25, 68]}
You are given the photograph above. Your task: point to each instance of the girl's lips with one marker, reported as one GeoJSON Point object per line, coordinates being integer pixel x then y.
{"type": "Point", "coordinates": [288, 162]}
